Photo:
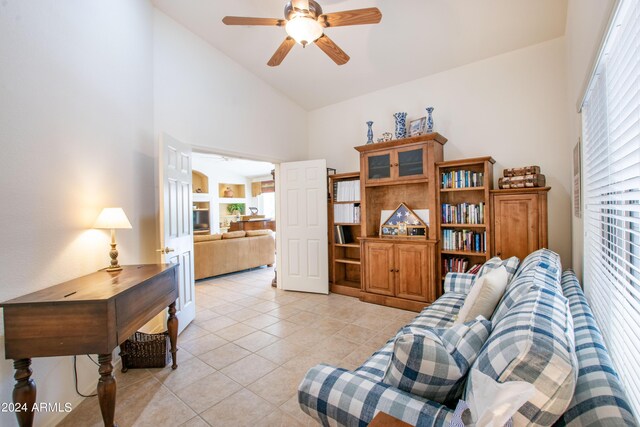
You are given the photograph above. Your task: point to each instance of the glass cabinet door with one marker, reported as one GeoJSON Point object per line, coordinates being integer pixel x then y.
{"type": "Point", "coordinates": [379, 166]}
{"type": "Point", "coordinates": [410, 162]}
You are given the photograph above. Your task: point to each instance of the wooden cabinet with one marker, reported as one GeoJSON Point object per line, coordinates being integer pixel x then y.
{"type": "Point", "coordinates": [403, 271]}
{"type": "Point", "coordinates": [380, 268]}
{"type": "Point", "coordinates": [414, 272]}
{"type": "Point", "coordinates": [519, 218]}
{"type": "Point", "coordinates": [392, 166]}
{"type": "Point", "coordinates": [399, 272]}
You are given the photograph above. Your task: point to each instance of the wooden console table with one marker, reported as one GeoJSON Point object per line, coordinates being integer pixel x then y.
{"type": "Point", "coordinates": [92, 314]}
{"type": "Point", "coordinates": [253, 224]}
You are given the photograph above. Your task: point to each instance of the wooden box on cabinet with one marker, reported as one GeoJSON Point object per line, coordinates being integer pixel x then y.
{"type": "Point", "coordinates": [519, 218]}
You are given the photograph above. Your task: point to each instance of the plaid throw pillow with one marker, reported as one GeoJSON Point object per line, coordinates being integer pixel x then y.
{"type": "Point", "coordinates": [511, 264]}
{"type": "Point", "coordinates": [433, 363]}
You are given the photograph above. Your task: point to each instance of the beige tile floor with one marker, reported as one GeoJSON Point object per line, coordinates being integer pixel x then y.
{"type": "Point", "coordinates": [242, 358]}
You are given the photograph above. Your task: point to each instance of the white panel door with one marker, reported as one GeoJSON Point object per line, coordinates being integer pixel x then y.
{"type": "Point", "coordinates": [302, 226]}
{"type": "Point", "coordinates": [176, 229]}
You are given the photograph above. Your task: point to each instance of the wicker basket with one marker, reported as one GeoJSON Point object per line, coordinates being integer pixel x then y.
{"type": "Point", "coordinates": [145, 351]}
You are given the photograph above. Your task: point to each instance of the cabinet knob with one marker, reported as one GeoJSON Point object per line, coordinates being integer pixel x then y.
{"type": "Point", "coordinates": [395, 164]}
{"type": "Point", "coordinates": [499, 253]}
{"type": "Point", "coordinates": [391, 271]}
{"type": "Point", "coordinates": [397, 271]}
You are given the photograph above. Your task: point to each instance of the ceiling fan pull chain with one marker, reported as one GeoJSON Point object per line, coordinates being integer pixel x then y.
{"type": "Point", "coordinates": [301, 5]}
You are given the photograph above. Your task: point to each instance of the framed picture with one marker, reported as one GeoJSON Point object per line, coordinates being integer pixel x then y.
{"type": "Point", "coordinates": [417, 126]}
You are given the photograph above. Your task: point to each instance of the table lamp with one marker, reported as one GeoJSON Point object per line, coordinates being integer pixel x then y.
{"type": "Point", "coordinates": [112, 218]}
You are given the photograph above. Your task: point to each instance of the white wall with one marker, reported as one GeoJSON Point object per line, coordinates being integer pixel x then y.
{"type": "Point", "coordinates": [76, 131]}
{"type": "Point", "coordinates": [511, 107]}
{"type": "Point", "coordinates": [204, 98]}
{"type": "Point", "coordinates": [586, 23]}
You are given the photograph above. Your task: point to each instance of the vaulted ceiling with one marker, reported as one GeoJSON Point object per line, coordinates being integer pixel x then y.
{"type": "Point", "coordinates": [416, 38]}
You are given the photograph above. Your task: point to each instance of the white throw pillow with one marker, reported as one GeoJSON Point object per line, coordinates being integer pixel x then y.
{"type": "Point", "coordinates": [484, 296]}
{"type": "Point", "coordinates": [491, 403]}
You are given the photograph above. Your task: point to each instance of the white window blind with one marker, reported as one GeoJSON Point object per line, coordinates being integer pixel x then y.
{"type": "Point", "coordinates": [611, 135]}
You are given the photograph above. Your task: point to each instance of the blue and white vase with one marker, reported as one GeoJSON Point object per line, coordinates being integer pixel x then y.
{"type": "Point", "coordinates": [401, 125]}
{"type": "Point", "coordinates": [370, 133]}
{"type": "Point", "coordinates": [429, 119]}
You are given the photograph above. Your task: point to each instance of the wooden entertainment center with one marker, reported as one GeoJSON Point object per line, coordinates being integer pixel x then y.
{"type": "Point", "coordinates": [407, 271]}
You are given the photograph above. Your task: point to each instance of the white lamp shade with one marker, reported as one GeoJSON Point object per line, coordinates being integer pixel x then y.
{"type": "Point", "coordinates": [304, 30]}
{"type": "Point", "coordinates": [111, 218]}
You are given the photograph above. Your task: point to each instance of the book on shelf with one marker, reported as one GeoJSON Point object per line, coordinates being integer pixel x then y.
{"type": "Point", "coordinates": [346, 213]}
{"type": "Point", "coordinates": [459, 265]}
{"type": "Point", "coordinates": [462, 179]}
{"type": "Point", "coordinates": [455, 265]}
{"type": "Point", "coordinates": [346, 191]}
{"type": "Point", "coordinates": [464, 240]}
{"type": "Point", "coordinates": [463, 213]}
{"type": "Point", "coordinates": [474, 269]}
{"type": "Point", "coordinates": [342, 235]}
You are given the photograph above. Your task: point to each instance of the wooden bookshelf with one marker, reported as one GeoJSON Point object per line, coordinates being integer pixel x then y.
{"type": "Point", "coordinates": [464, 193]}
{"type": "Point", "coordinates": [344, 258]}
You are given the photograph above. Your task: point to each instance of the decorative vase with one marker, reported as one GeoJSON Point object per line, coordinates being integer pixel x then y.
{"type": "Point", "coordinates": [228, 193]}
{"type": "Point", "coordinates": [370, 133]}
{"type": "Point", "coordinates": [401, 125]}
{"type": "Point", "coordinates": [429, 119]}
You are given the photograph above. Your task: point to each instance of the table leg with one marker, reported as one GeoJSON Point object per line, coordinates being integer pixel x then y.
{"type": "Point", "coordinates": [24, 392]}
{"type": "Point", "coordinates": [172, 327]}
{"type": "Point", "coordinates": [107, 390]}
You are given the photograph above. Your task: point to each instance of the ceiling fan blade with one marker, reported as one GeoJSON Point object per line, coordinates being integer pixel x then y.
{"type": "Point", "coordinates": [243, 20]}
{"type": "Point", "coordinates": [282, 52]}
{"type": "Point", "coordinates": [332, 50]}
{"type": "Point", "coordinates": [370, 15]}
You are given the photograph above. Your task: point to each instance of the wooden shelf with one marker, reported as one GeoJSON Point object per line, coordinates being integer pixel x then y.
{"type": "Point", "coordinates": [354, 261]}
{"type": "Point", "coordinates": [344, 258]}
{"type": "Point", "coordinates": [471, 195]}
{"type": "Point", "coordinates": [463, 226]}
{"type": "Point", "coordinates": [346, 287]}
{"type": "Point", "coordinates": [448, 190]}
{"type": "Point", "coordinates": [201, 210]}
{"type": "Point", "coordinates": [464, 253]}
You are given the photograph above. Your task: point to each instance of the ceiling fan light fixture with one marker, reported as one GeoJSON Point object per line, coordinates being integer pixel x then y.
{"type": "Point", "coordinates": [304, 29]}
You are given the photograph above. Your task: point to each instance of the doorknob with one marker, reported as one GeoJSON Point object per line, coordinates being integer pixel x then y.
{"type": "Point", "coordinates": [166, 250]}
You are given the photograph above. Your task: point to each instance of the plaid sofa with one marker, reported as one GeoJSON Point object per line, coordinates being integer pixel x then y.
{"type": "Point", "coordinates": [536, 294]}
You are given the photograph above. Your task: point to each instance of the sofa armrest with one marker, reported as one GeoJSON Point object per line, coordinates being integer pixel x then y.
{"type": "Point", "coordinates": [458, 282]}
{"type": "Point", "coordinates": [335, 396]}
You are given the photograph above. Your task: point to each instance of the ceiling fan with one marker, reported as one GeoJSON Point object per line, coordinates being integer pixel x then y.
{"type": "Point", "coordinates": [305, 23]}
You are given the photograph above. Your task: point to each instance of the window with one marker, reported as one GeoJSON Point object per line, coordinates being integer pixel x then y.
{"type": "Point", "coordinates": [611, 134]}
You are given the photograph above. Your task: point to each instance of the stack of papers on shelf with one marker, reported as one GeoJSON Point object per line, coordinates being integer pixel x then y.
{"type": "Point", "coordinates": [347, 191]}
